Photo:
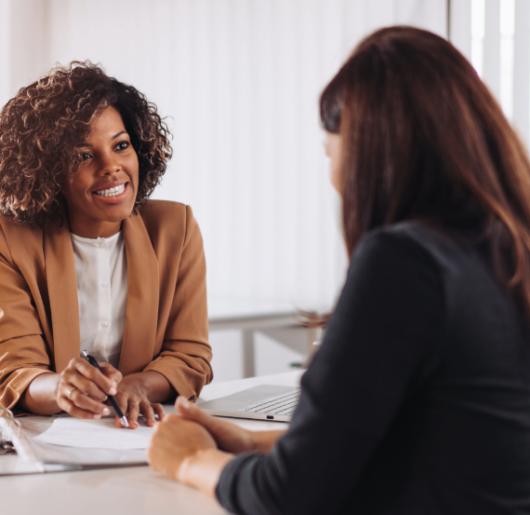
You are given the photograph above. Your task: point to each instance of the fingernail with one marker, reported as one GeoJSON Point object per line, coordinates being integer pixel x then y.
{"type": "Point", "coordinates": [113, 390]}
{"type": "Point", "coordinates": [97, 415]}
{"type": "Point", "coordinates": [106, 412]}
{"type": "Point", "coordinates": [185, 402]}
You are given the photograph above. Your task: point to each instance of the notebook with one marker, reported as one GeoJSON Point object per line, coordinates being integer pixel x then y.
{"type": "Point", "coordinates": [262, 402]}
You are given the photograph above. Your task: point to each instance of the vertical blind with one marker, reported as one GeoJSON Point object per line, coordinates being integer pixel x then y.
{"type": "Point", "coordinates": [495, 36]}
{"type": "Point", "coordinates": [238, 82]}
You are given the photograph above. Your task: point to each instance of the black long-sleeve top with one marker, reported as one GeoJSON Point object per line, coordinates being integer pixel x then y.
{"type": "Point", "coordinates": [418, 401]}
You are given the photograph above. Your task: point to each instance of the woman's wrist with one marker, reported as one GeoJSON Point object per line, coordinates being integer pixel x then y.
{"type": "Point", "coordinates": [40, 395]}
{"type": "Point", "coordinates": [264, 441]}
{"type": "Point", "coordinates": [202, 469]}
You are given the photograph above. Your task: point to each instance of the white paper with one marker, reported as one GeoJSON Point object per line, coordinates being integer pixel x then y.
{"type": "Point", "coordinates": [93, 434]}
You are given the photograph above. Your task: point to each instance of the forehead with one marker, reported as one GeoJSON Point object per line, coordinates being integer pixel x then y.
{"type": "Point", "coordinates": [106, 123]}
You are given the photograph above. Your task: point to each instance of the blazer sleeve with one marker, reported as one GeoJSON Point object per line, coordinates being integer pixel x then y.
{"type": "Point", "coordinates": [186, 354]}
{"type": "Point", "coordinates": [23, 351]}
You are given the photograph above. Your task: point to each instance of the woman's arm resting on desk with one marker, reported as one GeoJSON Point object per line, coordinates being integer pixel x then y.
{"type": "Point", "coordinates": [186, 451]}
{"type": "Point", "coordinates": [194, 447]}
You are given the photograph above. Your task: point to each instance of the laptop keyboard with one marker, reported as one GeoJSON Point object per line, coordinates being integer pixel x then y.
{"type": "Point", "coordinates": [278, 405]}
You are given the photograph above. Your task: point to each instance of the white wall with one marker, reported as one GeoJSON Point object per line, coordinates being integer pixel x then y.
{"type": "Point", "coordinates": [238, 81]}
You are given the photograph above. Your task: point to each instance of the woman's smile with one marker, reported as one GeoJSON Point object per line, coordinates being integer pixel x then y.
{"type": "Point", "coordinates": [113, 194]}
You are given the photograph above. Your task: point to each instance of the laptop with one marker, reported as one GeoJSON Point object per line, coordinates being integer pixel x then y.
{"type": "Point", "coordinates": [262, 402]}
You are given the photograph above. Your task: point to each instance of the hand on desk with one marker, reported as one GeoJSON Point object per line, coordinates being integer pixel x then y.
{"type": "Point", "coordinates": [184, 450]}
{"type": "Point", "coordinates": [227, 436]}
{"type": "Point", "coordinates": [189, 446]}
{"type": "Point", "coordinates": [133, 399]}
{"type": "Point", "coordinates": [81, 391]}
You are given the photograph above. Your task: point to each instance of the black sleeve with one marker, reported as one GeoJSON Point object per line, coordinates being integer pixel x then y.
{"type": "Point", "coordinates": [385, 325]}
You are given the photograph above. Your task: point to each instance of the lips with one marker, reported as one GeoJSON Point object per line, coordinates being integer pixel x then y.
{"type": "Point", "coordinates": [110, 190]}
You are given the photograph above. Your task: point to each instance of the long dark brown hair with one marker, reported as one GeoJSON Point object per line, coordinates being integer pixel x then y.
{"type": "Point", "coordinates": [423, 138]}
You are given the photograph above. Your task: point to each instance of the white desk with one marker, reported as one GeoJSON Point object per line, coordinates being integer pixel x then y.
{"type": "Point", "coordinates": [117, 491]}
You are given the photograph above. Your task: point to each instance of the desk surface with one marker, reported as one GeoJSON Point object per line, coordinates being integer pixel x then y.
{"type": "Point", "coordinates": [130, 490]}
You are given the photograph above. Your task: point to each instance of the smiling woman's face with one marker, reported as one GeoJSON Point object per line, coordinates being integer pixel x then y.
{"type": "Point", "coordinates": [101, 193]}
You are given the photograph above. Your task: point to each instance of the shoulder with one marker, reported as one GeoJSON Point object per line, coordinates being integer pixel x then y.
{"type": "Point", "coordinates": [402, 259]}
{"type": "Point", "coordinates": [16, 234]}
{"type": "Point", "coordinates": [163, 210]}
{"type": "Point", "coordinates": [413, 242]}
{"type": "Point", "coordinates": [160, 214]}
{"type": "Point", "coordinates": [168, 220]}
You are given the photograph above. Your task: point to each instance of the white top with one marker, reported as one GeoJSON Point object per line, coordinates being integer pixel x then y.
{"type": "Point", "coordinates": [101, 270]}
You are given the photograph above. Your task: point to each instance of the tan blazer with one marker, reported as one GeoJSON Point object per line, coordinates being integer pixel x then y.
{"type": "Point", "coordinates": [166, 328]}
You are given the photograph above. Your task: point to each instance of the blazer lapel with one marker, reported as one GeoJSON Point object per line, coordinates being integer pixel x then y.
{"type": "Point", "coordinates": [62, 291]}
{"type": "Point", "coordinates": [141, 314]}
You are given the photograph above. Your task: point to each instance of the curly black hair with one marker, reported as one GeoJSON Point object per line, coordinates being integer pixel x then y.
{"type": "Point", "coordinates": [43, 124]}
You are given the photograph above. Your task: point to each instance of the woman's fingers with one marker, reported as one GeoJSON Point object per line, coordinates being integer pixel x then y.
{"type": "Point", "coordinates": [75, 411]}
{"type": "Point", "coordinates": [86, 386]}
{"type": "Point", "coordinates": [228, 436]}
{"type": "Point", "coordinates": [191, 411]}
{"type": "Point", "coordinates": [147, 412]}
{"type": "Point", "coordinates": [73, 401]}
{"type": "Point", "coordinates": [133, 411]}
{"type": "Point", "coordinates": [80, 366]}
{"type": "Point", "coordinates": [159, 411]}
{"type": "Point", "coordinates": [110, 372]}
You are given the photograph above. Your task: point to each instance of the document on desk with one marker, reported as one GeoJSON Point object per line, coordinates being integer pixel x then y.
{"type": "Point", "coordinates": [88, 434]}
{"type": "Point", "coordinates": [65, 443]}
{"type": "Point", "coordinates": [85, 443]}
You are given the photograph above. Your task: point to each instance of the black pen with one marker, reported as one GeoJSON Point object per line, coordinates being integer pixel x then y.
{"type": "Point", "coordinates": [112, 400]}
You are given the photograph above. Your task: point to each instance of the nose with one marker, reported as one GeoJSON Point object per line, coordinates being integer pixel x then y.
{"type": "Point", "coordinates": [109, 165]}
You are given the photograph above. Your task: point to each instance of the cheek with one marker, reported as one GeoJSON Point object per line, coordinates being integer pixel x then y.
{"type": "Point", "coordinates": [134, 167]}
{"type": "Point", "coordinates": [334, 174]}
{"type": "Point", "coordinates": [77, 185]}
{"type": "Point", "coordinates": [333, 151]}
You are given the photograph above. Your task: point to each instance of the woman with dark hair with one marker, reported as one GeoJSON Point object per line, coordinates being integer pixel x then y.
{"type": "Point", "coordinates": [87, 262]}
{"type": "Point", "coordinates": [418, 400]}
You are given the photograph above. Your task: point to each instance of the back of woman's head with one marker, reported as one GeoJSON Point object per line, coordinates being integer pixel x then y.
{"type": "Point", "coordinates": [423, 138]}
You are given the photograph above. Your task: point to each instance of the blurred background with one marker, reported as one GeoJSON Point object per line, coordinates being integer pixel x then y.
{"type": "Point", "coordinates": [238, 83]}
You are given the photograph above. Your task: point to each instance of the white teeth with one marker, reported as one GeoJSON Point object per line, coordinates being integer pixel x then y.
{"type": "Point", "coordinates": [111, 192]}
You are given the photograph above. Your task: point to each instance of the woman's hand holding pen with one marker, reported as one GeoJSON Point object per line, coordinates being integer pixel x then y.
{"type": "Point", "coordinates": [83, 389]}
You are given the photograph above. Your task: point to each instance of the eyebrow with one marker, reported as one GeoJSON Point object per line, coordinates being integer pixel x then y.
{"type": "Point", "coordinates": [85, 144]}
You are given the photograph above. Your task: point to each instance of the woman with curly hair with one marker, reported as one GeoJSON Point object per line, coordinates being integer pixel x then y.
{"type": "Point", "coordinates": [87, 262]}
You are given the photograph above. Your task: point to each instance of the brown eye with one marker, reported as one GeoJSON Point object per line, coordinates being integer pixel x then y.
{"type": "Point", "coordinates": [85, 156]}
{"type": "Point", "coordinates": [122, 145]}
